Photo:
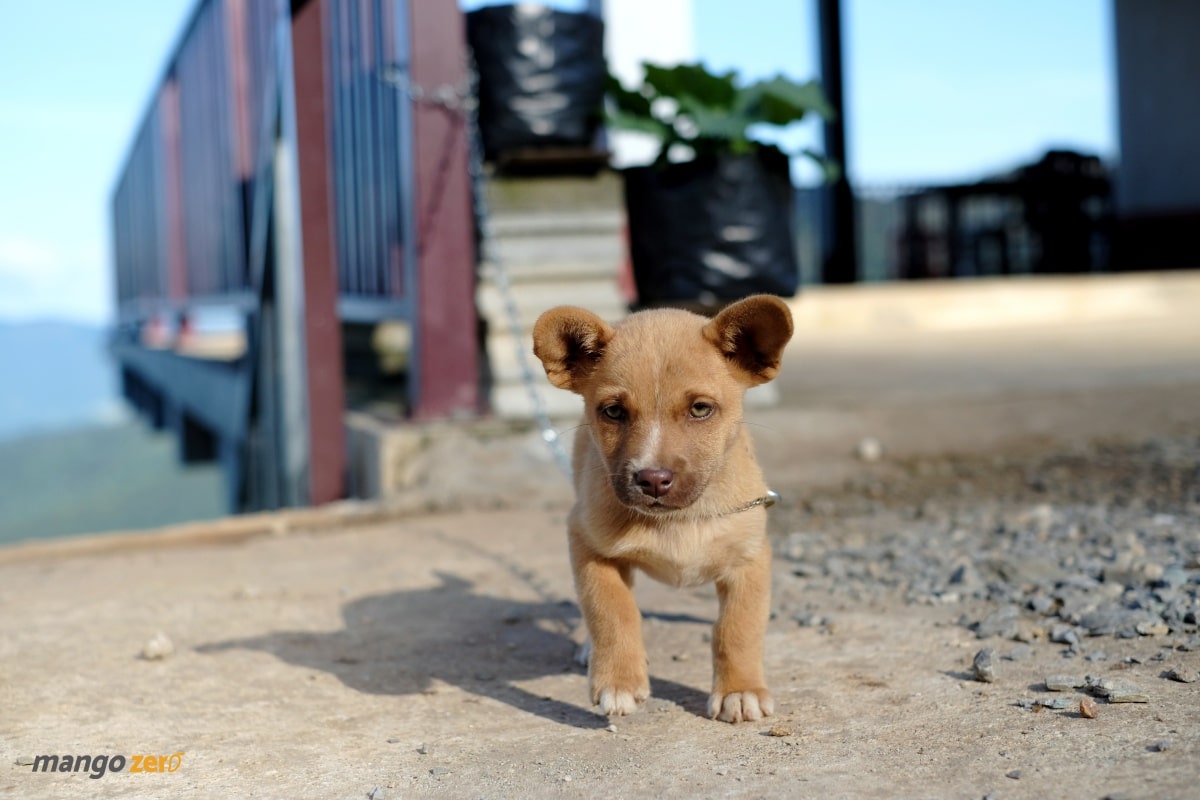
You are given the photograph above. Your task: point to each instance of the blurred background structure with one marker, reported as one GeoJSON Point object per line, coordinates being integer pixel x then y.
{"type": "Point", "coordinates": [293, 224]}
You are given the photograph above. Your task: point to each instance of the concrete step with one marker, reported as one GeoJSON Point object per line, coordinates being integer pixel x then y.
{"type": "Point", "coordinates": [554, 223]}
{"type": "Point", "coordinates": [512, 401]}
{"type": "Point", "coordinates": [557, 254]}
{"type": "Point", "coordinates": [599, 296]}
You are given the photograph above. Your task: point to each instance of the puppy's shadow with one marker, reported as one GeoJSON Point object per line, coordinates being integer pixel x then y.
{"type": "Point", "coordinates": [403, 642]}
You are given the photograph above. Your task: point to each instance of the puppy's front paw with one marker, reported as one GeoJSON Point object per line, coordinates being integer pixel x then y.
{"type": "Point", "coordinates": [745, 706]}
{"type": "Point", "coordinates": [619, 702]}
{"type": "Point", "coordinates": [618, 692]}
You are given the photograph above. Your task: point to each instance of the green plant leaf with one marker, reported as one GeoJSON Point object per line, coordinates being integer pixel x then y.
{"type": "Point", "coordinates": [710, 112]}
{"type": "Point", "coordinates": [830, 169]}
{"type": "Point", "coordinates": [713, 123]}
{"type": "Point", "coordinates": [782, 101]}
{"type": "Point", "coordinates": [635, 122]}
{"type": "Point", "coordinates": [714, 90]}
{"type": "Point", "coordinates": [626, 101]}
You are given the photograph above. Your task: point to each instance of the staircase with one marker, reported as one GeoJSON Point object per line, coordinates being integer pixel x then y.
{"type": "Point", "coordinates": [561, 241]}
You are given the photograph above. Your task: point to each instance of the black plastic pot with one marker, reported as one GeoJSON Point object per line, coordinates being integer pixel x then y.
{"type": "Point", "coordinates": [541, 76]}
{"type": "Point", "coordinates": [713, 230]}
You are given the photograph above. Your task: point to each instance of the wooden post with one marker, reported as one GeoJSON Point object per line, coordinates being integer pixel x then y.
{"type": "Point", "coordinates": [321, 329]}
{"type": "Point", "coordinates": [445, 321]}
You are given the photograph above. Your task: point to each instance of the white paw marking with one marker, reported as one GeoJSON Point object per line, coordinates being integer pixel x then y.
{"type": "Point", "coordinates": [615, 702]}
{"type": "Point", "coordinates": [740, 706]}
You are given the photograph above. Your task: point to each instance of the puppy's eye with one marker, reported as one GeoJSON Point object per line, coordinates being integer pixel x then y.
{"type": "Point", "coordinates": [700, 410]}
{"type": "Point", "coordinates": [614, 412]}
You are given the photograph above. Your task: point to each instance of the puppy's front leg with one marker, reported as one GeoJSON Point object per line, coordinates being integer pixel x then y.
{"type": "Point", "coordinates": [617, 673]}
{"type": "Point", "coordinates": [739, 686]}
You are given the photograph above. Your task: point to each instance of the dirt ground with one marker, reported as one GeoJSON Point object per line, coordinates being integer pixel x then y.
{"type": "Point", "coordinates": [396, 655]}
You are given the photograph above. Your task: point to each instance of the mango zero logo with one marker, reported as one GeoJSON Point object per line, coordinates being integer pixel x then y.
{"type": "Point", "coordinates": [96, 766]}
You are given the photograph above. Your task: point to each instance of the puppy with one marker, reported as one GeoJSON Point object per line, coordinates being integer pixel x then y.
{"type": "Point", "coordinates": [666, 482]}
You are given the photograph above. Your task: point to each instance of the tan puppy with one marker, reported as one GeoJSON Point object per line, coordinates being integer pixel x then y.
{"type": "Point", "coordinates": [666, 482]}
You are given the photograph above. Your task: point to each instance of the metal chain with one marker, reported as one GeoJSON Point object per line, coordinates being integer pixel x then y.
{"type": "Point", "coordinates": [465, 101]}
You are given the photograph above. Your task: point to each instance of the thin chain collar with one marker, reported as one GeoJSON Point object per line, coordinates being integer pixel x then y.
{"type": "Point", "coordinates": [766, 501]}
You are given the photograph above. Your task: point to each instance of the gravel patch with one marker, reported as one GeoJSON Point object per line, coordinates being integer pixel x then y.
{"type": "Point", "coordinates": [1099, 540]}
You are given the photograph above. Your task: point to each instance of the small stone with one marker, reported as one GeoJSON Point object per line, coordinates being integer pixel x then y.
{"type": "Point", "coordinates": [1063, 634]}
{"type": "Point", "coordinates": [1152, 628]}
{"type": "Point", "coordinates": [1057, 703]}
{"type": "Point", "coordinates": [393, 741]}
{"type": "Point", "coordinates": [1087, 708]}
{"type": "Point", "coordinates": [1118, 690]}
{"type": "Point", "coordinates": [1042, 604]}
{"type": "Point", "coordinates": [1020, 652]}
{"type": "Point", "coordinates": [779, 730]}
{"type": "Point", "coordinates": [1063, 683]}
{"type": "Point", "coordinates": [722, 770]}
{"type": "Point", "coordinates": [1001, 622]}
{"type": "Point", "coordinates": [611, 728]}
{"type": "Point", "coordinates": [1182, 675]}
{"type": "Point", "coordinates": [1161, 746]}
{"type": "Point", "coordinates": [375, 794]}
{"type": "Point", "coordinates": [24, 761]}
{"type": "Point", "coordinates": [438, 772]}
{"type": "Point", "coordinates": [1097, 655]}
{"type": "Point", "coordinates": [158, 648]}
{"type": "Point", "coordinates": [566, 778]}
{"type": "Point", "coordinates": [984, 665]}
{"type": "Point", "coordinates": [1190, 644]}
{"type": "Point", "coordinates": [869, 449]}
{"type": "Point", "coordinates": [1015, 774]}
{"type": "Point", "coordinates": [424, 749]}
{"type": "Point", "coordinates": [680, 657]}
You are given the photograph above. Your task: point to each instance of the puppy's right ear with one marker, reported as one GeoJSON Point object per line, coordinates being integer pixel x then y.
{"type": "Point", "coordinates": [570, 342]}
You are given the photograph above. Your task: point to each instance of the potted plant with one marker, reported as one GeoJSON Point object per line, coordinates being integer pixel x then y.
{"type": "Point", "coordinates": [717, 225]}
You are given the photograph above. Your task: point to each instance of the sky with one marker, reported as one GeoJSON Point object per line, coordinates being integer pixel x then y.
{"type": "Point", "coordinates": [936, 91]}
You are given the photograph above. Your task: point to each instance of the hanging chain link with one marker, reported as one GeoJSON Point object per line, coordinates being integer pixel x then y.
{"type": "Point", "coordinates": [464, 100]}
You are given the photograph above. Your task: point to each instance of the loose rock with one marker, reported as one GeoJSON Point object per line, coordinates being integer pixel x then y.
{"type": "Point", "coordinates": [985, 666]}
{"type": "Point", "coordinates": [1001, 622]}
{"type": "Point", "coordinates": [869, 449]}
{"type": "Point", "coordinates": [1117, 690]}
{"type": "Point", "coordinates": [1087, 708]}
{"type": "Point", "coordinates": [1182, 675]}
{"type": "Point", "coordinates": [158, 648]}
{"type": "Point", "coordinates": [1063, 683]}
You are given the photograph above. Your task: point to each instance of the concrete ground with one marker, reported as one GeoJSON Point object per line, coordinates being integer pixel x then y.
{"type": "Point", "coordinates": [372, 651]}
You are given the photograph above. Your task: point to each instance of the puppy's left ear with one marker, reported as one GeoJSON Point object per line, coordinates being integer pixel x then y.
{"type": "Point", "coordinates": [752, 333]}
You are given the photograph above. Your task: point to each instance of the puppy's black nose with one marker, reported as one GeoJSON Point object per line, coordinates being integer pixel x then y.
{"type": "Point", "coordinates": [655, 482]}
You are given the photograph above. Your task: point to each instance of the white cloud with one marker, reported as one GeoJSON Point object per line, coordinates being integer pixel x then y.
{"type": "Point", "coordinates": [22, 257]}
{"type": "Point", "coordinates": [41, 279]}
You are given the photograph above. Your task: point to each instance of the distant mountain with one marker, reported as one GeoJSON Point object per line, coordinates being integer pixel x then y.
{"type": "Point", "coordinates": [53, 376]}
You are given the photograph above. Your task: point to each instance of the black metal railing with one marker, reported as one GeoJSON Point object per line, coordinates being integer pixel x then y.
{"type": "Point", "coordinates": [368, 58]}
